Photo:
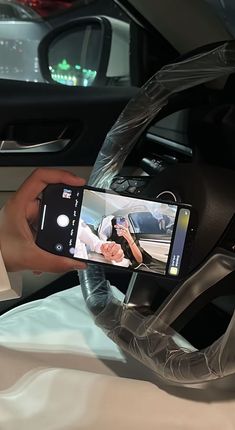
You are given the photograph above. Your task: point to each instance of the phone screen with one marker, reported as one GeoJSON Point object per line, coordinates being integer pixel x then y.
{"type": "Point", "coordinates": [104, 227]}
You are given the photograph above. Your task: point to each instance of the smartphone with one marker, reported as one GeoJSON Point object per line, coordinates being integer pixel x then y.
{"type": "Point", "coordinates": [103, 227]}
{"type": "Point", "coordinates": [122, 222]}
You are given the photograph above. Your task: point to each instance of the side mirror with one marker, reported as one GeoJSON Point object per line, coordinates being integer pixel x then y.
{"type": "Point", "coordinates": [87, 51]}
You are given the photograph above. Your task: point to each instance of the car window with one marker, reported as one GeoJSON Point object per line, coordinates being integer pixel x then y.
{"type": "Point", "coordinates": [23, 24]}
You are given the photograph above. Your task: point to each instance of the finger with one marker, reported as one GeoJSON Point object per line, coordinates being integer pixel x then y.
{"type": "Point", "coordinates": [118, 257]}
{"type": "Point", "coordinates": [107, 247]}
{"type": "Point", "coordinates": [121, 227]}
{"type": "Point", "coordinates": [47, 262]}
{"type": "Point", "coordinates": [33, 211]}
{"type": "Point", "coordinates": [113, 246]}
{"type": "Point", "coordinates": [116, 248]}
{"type": "Point", "coordinates": [116, 251]}
{"type": "Point", "coordinates": [40, 178]}
{"type": "Point", "coordinates": [104, 247]}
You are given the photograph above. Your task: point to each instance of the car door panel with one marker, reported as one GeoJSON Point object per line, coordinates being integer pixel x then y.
{"type": "Point", "coordinates": [34, 114]}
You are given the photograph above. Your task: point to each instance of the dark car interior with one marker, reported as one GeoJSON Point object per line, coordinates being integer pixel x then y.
{"type": "Point", "coordinates": [184, 169]}
{"type": "Point", "coordinates": [211, 313]}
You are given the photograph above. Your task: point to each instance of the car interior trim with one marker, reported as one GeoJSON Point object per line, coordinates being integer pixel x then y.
{"type": "Point", "coordinates": [12, 146]}
{"type": "Point", "coordinates": [170, 144]}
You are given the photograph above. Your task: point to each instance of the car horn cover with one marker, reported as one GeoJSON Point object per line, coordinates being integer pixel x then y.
{"type": "Point", "coordinates": [151, 339]}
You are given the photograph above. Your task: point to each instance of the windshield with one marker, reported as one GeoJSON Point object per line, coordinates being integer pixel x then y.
{"type": "Point", "coordinates": [47, 8]}
{"type": "Point", "coordinates": [25, 23]}
{"type": "Point", "coordinates": [15, 11]}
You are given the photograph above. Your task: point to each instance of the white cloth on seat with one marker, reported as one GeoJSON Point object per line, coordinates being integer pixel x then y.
{"type": "Point", "coordinates": [60, 371]}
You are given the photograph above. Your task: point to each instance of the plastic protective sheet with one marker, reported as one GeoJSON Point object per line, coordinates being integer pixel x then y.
{"type": "Point", "coordinates": [151, 339]}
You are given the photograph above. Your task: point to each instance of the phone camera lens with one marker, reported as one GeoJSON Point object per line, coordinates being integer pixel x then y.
{"type": "Point", "coordinates": [59, 247]}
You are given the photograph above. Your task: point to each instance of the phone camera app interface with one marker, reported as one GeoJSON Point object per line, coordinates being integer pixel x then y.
{"type": "Point", "coordinates": [63, 220]}
{"type": "Point", "coordinates": [59, 247]}
{"type": "Point", "coordinates": [125, 232]}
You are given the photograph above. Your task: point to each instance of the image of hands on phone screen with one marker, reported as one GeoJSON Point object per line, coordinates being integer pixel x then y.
{"type": "Point", "coordinates": [100, 226]}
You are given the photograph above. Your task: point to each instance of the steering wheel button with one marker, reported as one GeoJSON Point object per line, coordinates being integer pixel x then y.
{"type": "Point", "coordinates": [134, 183]}
{"type": "Point", "coordinates": [131, 189]}
{"type": "Point", "coordinates": [122, 187]}
{"type": "Point", "coordinates": [119, 181]}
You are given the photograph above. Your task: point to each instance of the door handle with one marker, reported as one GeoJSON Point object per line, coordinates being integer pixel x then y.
{"type": "Point", "coordinates": [12, 146]}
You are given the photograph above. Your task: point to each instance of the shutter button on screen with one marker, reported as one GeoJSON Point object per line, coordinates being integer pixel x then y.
{"type": "Point", "coordinates": [63, 220]}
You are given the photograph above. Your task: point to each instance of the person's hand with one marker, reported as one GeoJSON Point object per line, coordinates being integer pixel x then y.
{"type": "Point", "coordinates": [124, 232]}
{"type": "Point", "coordinates": [112, 251]}
{"type": "Point", "coordinates": [18, 218]}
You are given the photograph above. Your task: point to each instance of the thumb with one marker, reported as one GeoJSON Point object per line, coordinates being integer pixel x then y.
{"type": "Point", "coordinates": [46, 262]}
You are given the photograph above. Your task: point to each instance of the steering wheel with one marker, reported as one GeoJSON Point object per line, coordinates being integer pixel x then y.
{"type": "Point", "coordinates": [151, 338]}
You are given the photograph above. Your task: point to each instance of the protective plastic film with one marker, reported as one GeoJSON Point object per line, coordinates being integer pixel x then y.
{"type": "Point", "coordinates": [151, 339]}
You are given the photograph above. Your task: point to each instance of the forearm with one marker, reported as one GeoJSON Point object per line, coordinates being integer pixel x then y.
{"type": "Point", "coordinates": [136, 252]}
{"type": "Point", "coordinates": [86, 236]}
